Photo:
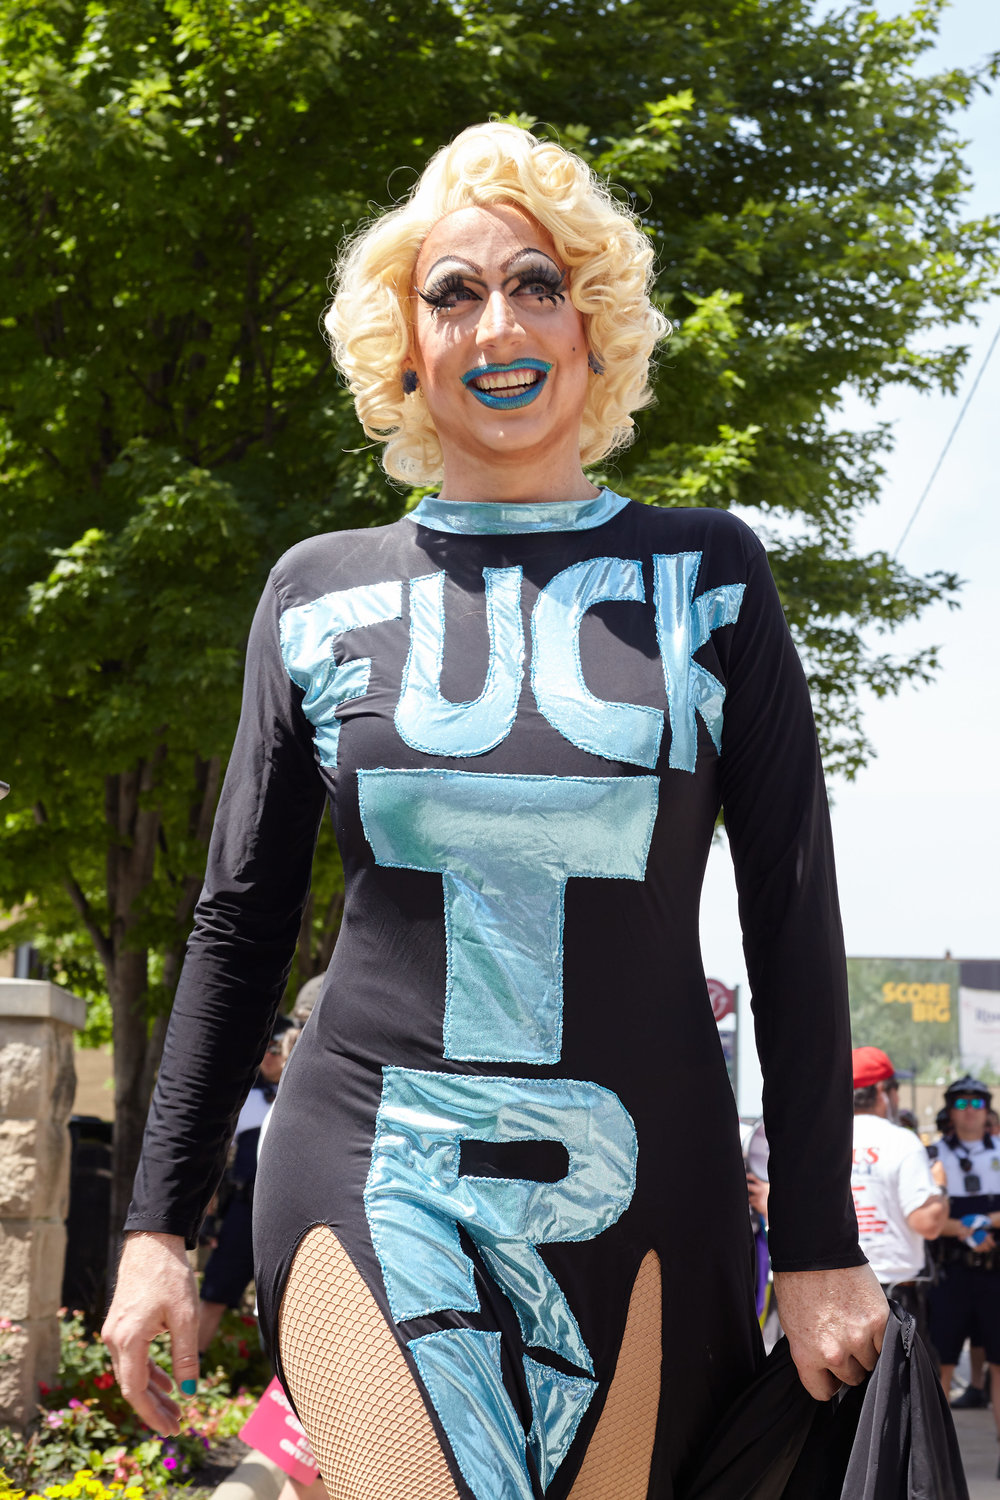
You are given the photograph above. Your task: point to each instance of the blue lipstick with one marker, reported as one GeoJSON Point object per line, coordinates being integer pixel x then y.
{"type": "Point", "coordinates": [503, 395]}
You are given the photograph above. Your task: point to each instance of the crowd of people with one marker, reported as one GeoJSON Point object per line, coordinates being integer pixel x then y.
{"type": "Point", "coordinates": [928, 1217]}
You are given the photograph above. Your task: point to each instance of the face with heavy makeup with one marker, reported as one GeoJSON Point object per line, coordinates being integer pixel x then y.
{"type": "Point", "coordinates": [501, 354]}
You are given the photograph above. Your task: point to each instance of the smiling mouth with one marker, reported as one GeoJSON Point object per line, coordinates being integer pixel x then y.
{"type": "Point", "coordinates": [506, 386]}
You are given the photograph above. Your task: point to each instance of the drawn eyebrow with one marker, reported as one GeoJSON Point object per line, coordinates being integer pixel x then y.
{"type": "Point", "coordinates": [511, 260]}
{"type": "Point", "coordinates": [526, 250]}
{"type": "Point", "coordinates": [455, 260]}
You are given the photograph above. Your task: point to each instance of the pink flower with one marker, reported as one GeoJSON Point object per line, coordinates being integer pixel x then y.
{"type": "Point", "coordinates": [54, 1418]}
{"type": "Point", "coordinates": [170, 1463]}
{"type": "Point", "coordinates": [77, 1405]}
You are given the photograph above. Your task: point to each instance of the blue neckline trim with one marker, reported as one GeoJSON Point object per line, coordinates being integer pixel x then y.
{"type": "Point", "coordinates": [497, 517]}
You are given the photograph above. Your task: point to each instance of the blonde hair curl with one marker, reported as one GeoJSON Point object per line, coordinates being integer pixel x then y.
{"type": "Point", "coordinates": [610, 259]}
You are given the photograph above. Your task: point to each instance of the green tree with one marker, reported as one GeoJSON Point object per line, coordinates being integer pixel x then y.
{"type": "Point", "coordinates": [176, 175]}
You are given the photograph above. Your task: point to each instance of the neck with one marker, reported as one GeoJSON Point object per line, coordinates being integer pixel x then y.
{"type": "Point", "coordinates": [466, 477]}
{"type": "Point", "coordinates": [968, 1137]}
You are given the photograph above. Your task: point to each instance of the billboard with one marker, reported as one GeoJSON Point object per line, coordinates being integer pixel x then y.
{"type": "Point", "coordinates": [979, 1015]}
{"type": "Point", "coordinates": [938, 1016]}
{"type": "Point", "coordinates": [910, 1008]}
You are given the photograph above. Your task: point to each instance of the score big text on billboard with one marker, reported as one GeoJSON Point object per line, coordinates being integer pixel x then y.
{"type": "Point", "coordinates": [930, 1002]}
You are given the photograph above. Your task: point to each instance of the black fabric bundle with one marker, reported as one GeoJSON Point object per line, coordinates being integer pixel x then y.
{"type": "Point", "coordinates": [891, 1438]}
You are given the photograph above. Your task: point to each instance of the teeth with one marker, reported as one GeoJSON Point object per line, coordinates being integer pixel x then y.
{"type": "Point", "coordinates": [507, 379]}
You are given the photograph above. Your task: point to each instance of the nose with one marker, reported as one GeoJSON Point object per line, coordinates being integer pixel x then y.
{"type": "Point", "coordinates": [498, 320]}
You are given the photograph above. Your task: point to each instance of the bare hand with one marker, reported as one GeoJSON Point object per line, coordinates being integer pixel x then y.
{"type": "Point", "coordinates": [757, 1191]}
{"type": "Point", "coordinates": [156, 1293]}
{"type": "Point", "coordinates": [835, 1323]}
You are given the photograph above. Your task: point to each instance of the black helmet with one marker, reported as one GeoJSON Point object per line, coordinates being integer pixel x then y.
{"type": "Point", "coordinates": [967, 1086]}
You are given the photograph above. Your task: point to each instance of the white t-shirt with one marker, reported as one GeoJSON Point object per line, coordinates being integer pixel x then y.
{"type": "Point", "coordinates": [891, 1177]}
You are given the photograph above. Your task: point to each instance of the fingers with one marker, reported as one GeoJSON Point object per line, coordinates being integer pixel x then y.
{"type": "Point", "coordinates": [184, 1351]}
{"type": "Point", "coordinates": [821, 1385]}
{"type": "Point", "coordinates": [159, 1377]}
{"type": "Point", "coordinates": [878, 1337]}
{"type": "Point", "coordinates": [851, 1371]}
{"type": "Point", "coordinates": [147, 1393]}
{"type": "Point", "coordinates": [824, 1381]}
{"type": "Point", "coordinates": [835, 1321]}
{"type": "Point", "coordinates": [155, 1294]}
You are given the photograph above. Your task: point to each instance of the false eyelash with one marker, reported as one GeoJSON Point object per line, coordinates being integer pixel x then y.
{"type": "Point", "coordinates": [449, 286]}
{"type": "Point", "coordinates": [453, 283]}
{"type": "Point", "coordinates": [544, 275]}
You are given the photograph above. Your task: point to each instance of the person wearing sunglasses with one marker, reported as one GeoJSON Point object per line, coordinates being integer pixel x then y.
{"type": "Point", "coordinates": [966, 1299]}
{"type": "Point", "coordinates": [898, 1203]}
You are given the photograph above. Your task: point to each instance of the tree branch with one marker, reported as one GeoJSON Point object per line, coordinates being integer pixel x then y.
{"type": "Point", "coordinates": [101, 941]}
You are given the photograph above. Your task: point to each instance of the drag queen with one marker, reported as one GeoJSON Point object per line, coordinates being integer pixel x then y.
{"type": "Point", "coordinates": [502, 1241]}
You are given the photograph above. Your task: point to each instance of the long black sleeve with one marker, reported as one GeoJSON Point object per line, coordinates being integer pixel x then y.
{"type": "Point", "coordinates": [778, 823]}
{"type": "Point", "coordinates": [240, 952]}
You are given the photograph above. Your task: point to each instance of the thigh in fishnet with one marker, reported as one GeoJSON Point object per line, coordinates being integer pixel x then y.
{"type": "Point", "coordinates": [353, 1389]}
{"type": "Point", "coordinates": [621, 1450]}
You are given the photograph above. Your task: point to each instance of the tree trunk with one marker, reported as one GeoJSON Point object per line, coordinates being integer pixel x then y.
{"type": "Point", "coordinates": [127, 982]}
{"type": "Point", "coordinates": [133, 831]}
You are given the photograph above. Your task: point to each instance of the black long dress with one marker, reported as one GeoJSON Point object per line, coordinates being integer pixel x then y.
{"type": "Point", "coordinates": [524, 719]}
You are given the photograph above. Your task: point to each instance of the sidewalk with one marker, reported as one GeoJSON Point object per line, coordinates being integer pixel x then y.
{"type": "Point", "coordinates": [257, 1478]}
{"type": "Point", "coordinates": [980, 1451]}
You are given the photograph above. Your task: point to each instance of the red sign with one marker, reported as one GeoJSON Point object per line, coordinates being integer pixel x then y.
{"type": "Point", "coordinates": [723, 1000]}
{"type": "Point", "coordinates": [274, 1430]}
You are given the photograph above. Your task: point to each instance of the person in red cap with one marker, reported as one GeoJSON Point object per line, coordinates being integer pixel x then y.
{"type": "Point", "coordinates": [896, 1199]}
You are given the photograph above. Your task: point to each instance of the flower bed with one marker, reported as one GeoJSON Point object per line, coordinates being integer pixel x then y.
{"type": "Point", "coordinates": [87, 1444]}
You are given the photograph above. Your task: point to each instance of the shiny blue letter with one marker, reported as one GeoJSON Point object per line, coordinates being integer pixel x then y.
{"type": "Point", "coordinates": [505, 847]}
{"type": "Point", "coordinates": [683, 623]}
{"type": "Point", "coordinates": [415, 1198]}
{"type": "Point", "coordinates": [309, 635]}
{"type": "Point", "coordinates": [429, 722]}
{"type": "Point", "coordinates": [616, 731]}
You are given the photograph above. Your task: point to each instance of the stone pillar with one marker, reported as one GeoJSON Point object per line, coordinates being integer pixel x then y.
{"type": "Point", "coordinates": [37, 1083]}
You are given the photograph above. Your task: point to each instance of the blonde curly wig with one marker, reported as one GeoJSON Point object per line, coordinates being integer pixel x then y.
{"type": "Point", "coordinates": [610, 260]}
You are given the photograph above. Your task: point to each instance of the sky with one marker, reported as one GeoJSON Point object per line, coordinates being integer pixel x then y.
{"type": "Point", "coordinates": [917, 834]}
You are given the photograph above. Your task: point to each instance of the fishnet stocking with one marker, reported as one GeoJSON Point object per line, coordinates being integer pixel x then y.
{"type": "Point", "coordinates": [621, 1450]}
{"type": "Point", "coordinates": [357, 1399]}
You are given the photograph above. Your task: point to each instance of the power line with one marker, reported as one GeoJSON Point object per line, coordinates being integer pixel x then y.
{"type": "Point", "coordinates": [944, 450]}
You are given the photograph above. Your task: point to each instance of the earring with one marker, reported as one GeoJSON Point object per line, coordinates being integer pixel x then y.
{"type": "Point", "coordinates": [595, 363]}
{"type": "Point", "coordinates": [410, 382]}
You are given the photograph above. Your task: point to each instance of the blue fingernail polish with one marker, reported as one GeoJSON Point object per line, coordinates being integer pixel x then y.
{"type": "Point", "coordinates": [189, 1387]}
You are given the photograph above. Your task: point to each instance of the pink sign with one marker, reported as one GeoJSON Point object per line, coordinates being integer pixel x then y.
{"type": "Point", "coordinates": [274, 1430]}
{"type": "Point", "coordinates": [723, 1000]}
